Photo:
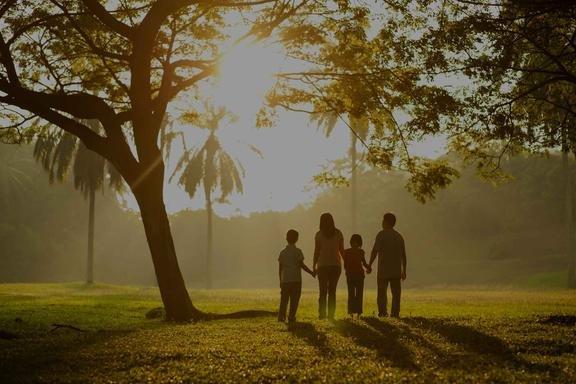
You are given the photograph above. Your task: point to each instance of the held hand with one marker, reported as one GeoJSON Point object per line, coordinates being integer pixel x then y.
{"type": "Point", "coordinates": [368, 270]}
{"type": "Point", "coordinates": [403, 276]}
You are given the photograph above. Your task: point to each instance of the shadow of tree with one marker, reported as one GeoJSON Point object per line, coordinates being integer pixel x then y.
{"type": "Point", "coordinates": [311, 336]}
{"type": "Point", "coordinates": [384, 341]}
{"type": "Point", "coordinates": [34, 357]}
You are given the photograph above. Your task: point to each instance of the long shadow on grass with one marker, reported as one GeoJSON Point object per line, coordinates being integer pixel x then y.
{"type": "Point", "coordinates": [467, 337]}
{"type": "Point", "coordinates": [385, 341]}
{"type": "Point", "coordinates": [32, 357]}
{"type": "Point", "coordinates": [478, 343]}
{"type": "Point", "coordinates": [383, 326]}
{"type": "Point", "coordinates": [311, 336]}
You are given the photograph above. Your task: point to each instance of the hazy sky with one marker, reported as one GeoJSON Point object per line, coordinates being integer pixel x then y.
{"type": "Point", "coordinates": [293, 151]}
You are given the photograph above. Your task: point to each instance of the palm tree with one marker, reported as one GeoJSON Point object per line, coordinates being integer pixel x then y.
{"type": "Point", "coordinates": [214, 168]}
{"type": "Point", "coordinates": [60, 152]}
{"type": "Point", "coordinates": [359, 128]}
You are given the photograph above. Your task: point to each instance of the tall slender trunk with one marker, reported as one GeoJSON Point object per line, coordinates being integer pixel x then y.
{"type": "Point", "coordinates": [569, 210]}
{"type": "Point", "coordinates": [208, 197]}
{"type": "Point", "coordinates": [149, 195]}
{"type": "Point", "coordinates": [354, 184]}
{"type": "Point", "coordinates": [90, 258]}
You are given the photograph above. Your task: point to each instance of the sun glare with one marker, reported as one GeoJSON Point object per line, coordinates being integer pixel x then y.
{"type": "Point", "coordinates": [246, 73]}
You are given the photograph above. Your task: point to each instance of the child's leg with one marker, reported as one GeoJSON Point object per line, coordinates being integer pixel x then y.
{"type": "Point", "coordinates": [351, 295]}
{"type": "Point", "coordinates": [284, 295]}
{"type": "Point", "coordinates": [360, 295]}
{"type": "Point", "coordinates": [295, 292]}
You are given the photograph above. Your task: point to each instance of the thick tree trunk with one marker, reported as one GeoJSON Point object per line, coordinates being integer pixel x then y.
{"type": "Point", "coordinates": [354, 184]}
{"type": "Point", "coordinates": [90, 258]}
{"type": "Point", "coordinates": [208, 239]}
{"type": "Point", "coordinates": [173, 291]}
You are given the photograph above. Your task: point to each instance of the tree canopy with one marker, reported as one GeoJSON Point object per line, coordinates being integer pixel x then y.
{"type": "Point", "coordinates": [517, 58]}
{"type": "Point", "coordinates": [480, 73]}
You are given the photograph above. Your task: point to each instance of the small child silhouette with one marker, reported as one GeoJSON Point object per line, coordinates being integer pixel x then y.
{"type": "Point", "coordinates": [291, 262]}
{"type": "Point", "coordinates": [354, 264]}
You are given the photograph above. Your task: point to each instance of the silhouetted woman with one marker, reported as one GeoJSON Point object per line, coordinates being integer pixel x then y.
{"type": "Point", "coordinates": [328, 254]}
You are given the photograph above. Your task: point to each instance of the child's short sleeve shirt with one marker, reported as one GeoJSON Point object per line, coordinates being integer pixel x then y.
{"type": "Point", "coordinates": [291, 259]}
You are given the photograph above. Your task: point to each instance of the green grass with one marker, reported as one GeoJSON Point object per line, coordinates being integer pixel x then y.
{"type": "Point", "coordinates": [456, 335]}
{"type": "Point", "coordinates": [544, 280]}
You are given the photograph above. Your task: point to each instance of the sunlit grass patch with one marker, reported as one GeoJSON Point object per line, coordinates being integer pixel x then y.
{"type": "Point", "coordinates": [453, 335]}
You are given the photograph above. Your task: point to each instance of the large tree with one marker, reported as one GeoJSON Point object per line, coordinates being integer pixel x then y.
{"type": "Point", "coordinates": [121, 63]}
{"type": "Point", "coordinates": [516, 61]}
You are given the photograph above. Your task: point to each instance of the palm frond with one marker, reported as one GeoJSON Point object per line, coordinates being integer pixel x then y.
{"type": "Point", "coordinates": [226, 178]}
{"type": "Point", "coordinates": [326, 121]}
{"type": "Point", "coordinates": [63, 156]}
{"type": "Point", "coordinates": [115, 180]}
{"type": "Point", "coordinates": [182, 162]}
{"type": "Point", "coordinates": [212, 147]}
{"type": "Point", "coordinates": [43, 148]}
{"type": "Point", "coordinates": [360, 125]}
{"type": "Point", "coordinates": [89, 168]}
{"type": "Point", "coordinates": [238, 172]}
{"type": "Point", "coordinates": [58, 152]}
{"type": "Point", "coordinates": [193, 173]}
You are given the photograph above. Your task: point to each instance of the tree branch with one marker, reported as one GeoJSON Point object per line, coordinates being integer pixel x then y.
{"type": "Point", "coordinates": [6, 6]}
{"type": "Point", "coordinates": [91, 139]}
{"type": "Point", "coordinates": [96, 49]}
{"type": "Point", "coordinates": [107, 19]}
{"type": "Point", "coordinates": [531, 90]}
{"type": "Point", "coordinates": [184, 63]}
{"type": "Point", "coordinates": [8, 61]}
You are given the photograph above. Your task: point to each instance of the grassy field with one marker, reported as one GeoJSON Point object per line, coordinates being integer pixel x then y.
{"type": "Point", "coordinates": [480, 335]}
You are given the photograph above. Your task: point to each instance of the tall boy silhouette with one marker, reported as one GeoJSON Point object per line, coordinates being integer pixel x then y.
{"type": "Point", "coordinates": [391, 252]}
